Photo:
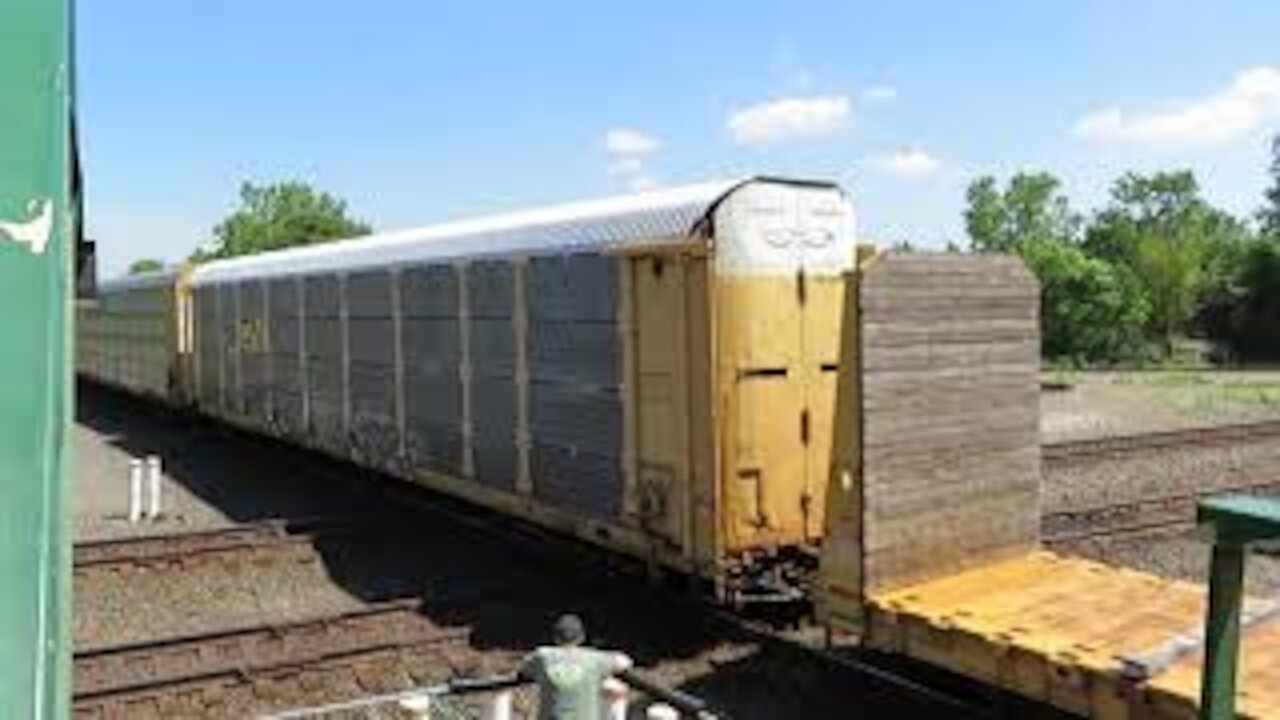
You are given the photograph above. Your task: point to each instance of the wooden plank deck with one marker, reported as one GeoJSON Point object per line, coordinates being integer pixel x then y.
{"type": "Point", "coordinates": [1055, 628]}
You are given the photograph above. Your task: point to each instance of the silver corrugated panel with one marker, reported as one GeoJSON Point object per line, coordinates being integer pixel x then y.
{"type": "Point", "coordinates": [371, 352]}
{"type": "Point", "coordinates": [575, 409]}
{"type": "Point", "coordinates": [570, 417]}
{"type": "Point", "coordinates": [228, 343]}
{"type": "Point", "coordinates": [573, 287]}
{"type": "Point", "coordinates": [429, 291]}
{"type": "Point", "coordinates": [432, 355]}
{"type": "Point", "coordinates": [492, 348]}
{"type": "Point", "coordinates": [369, 294]}
{"type": "Point", "coordinates": [253, 352]}
{"type": "Point", "coordinates": [207, 346]}
{"type": "Point", "coordinates": [574, 352]}
{"type": "Point", "coordinates": [324, 361]}
{"type": "Point", "coordinates": [568, 478]}
{"type": "Point", "coordinates": [286, 370]}
{"type": "Point", "coordinates": [493, 409]}
{"type": "Point", "coordinates": [491, 289]}
{"type": "Point", "coordinates": [665, 215]}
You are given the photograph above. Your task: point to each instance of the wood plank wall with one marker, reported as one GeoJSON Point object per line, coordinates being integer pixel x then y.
{"type": "Point", "coordinates": [950, 415]}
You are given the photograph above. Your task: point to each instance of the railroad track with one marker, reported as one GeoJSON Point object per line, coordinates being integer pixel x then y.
{"type": "Point", "coordinates": [1076, 451]}
{"type": "Point", "coordinates": [1168, 513]}
{"type": "Point", "coordinates": [279, 539]}
{"type": "Point", "coordinates": [191, 675]}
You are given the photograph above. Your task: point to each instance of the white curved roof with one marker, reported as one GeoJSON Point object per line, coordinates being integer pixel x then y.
{"type": "Point", "coordinates": [140, 281]}
{"type": "Point", "coordinates": [668, 214]}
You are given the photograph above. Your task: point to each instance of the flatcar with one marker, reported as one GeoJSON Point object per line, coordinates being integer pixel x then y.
{"type": "Point", "coordinates": [654, 373]}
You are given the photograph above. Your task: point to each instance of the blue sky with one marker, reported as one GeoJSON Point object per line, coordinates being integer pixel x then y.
{"type": "Point", "coordinates": [417, 111]}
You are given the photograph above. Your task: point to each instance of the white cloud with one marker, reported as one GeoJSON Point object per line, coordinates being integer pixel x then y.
{"type": "Point", "coordinates": [789, 117]}
{"type": "Point", "coordinates": [629, 152]}
{"type": "Point", "coordinates": [910, 163]}
{"type": "Point", "coordinates": [879, 95]}
{"type": "Point", "coordinates": [631, 143]}
{"type": "Point", "coordinates": [1252, 99]}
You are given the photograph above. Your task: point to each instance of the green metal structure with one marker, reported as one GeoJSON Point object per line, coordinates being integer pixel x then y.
{"type": "Point", "coordinates": [1236, 524]}
{"type": "Point", "coordinates": [37, 226]}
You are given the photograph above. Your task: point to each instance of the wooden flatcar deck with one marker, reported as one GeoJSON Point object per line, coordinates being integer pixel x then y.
{"type": "Point", "coordinates": [1056, 628]}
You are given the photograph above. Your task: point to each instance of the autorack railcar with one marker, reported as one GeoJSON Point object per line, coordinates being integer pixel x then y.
{"type": "Point", "coordinates": [653, 372]}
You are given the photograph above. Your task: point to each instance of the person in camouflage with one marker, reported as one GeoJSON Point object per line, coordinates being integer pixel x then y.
{"type": "Point", "coordinates": [569, 675]}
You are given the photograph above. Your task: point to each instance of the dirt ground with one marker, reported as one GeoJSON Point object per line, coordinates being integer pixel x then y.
{"type": "Point", "coordinates": [1101, 404]}
{"type": "Point", "coordinates": [504, 595]}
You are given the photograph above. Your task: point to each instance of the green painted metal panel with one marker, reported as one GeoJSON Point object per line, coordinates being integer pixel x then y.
{"type": "Point", "coordinates": [35, 383]}
{"type": "Point", "coordinates": [1241, 519]}
{"type": "Point", "coordinates": [1234, 523]}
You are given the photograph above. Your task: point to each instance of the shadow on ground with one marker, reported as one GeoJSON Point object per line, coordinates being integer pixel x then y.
{"type": "Point", "coordinates": [507, 594]}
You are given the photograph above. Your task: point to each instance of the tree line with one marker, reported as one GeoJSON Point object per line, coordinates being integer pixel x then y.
{"type": "Point", "coordinates": [272, 217]}
{"type": "Point", "coordinates": [1157, 264]}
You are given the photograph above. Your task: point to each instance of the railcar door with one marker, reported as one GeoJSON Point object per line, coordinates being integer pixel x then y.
{"type": "Point", "coordinates": [759, 329]}
{"type": "Point", "coordinates": [824, 237]}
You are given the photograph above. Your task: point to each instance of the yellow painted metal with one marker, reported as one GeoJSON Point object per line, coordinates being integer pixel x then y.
{"type": "Point", "coordinates": [661, 397]}
{"type": "Point", "coordinates": [762, 375]}
{"type": "Point", "coordinates": [1052, 628]}
{"type": "Point", "coordinates": [822, 313]}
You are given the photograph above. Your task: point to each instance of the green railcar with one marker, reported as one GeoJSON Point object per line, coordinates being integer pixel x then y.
{"type": "Point", "coordinates": [37, 230]}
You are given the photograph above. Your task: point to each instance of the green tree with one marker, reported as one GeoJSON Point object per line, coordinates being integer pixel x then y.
{"type": "Point", "coordinates": [1169, 265]}
{"type": "Point", "coordinates": [280, 215]}
{"type": "Point", "coordinates": [145, 265]}
{"type": "Point", "coordinates": [1269, 216]}
{"type": "Point", "coordinates": [1031, 209]}
{"type": "Point", "coordinates": [1091, 310]}
{"type": "Point", "coordinates": [1182, 249]}
{"type": "Point", "coordinates": [1255, 320]}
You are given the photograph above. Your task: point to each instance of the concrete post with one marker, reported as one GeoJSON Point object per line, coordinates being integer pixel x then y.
{"type": "Point", "coordinates": [661, 711]}
{"type": "Point", "coordinates": [154, 476]}
{"type": "Point", "coordinates": [135, 490]}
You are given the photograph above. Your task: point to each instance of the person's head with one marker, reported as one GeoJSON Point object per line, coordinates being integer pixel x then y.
{"type": "Point", "coordinates": [568, 631]}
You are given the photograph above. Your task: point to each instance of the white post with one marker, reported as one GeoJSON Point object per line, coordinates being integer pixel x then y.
{"type": "Point", "coordinates": [135, 490]}
{"type": "Point", "coordinates": [662, 711]}
{"type": "Point", "coordinates": [614, 693]}
{"type": "Point", "coordinates": [154, 475]}
{"type": "Point", "coordinates": [500, 707]}
{"type": "Point", "coordinates": [419, 706]}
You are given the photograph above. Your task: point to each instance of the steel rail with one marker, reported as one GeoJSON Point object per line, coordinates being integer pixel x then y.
{"type": "Point", "coordinates": [1069, 451]}
{"type": "Point", "coordinates": [111, 675]}
{"type": "Point", "coordinates": [1100, 520]}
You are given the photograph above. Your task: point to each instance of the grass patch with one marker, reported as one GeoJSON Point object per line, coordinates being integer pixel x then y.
{"type": "Point", "coordinates": [1216, 394]}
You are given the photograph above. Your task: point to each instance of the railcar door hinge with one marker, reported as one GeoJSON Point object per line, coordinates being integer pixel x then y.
{"type": "Point", "coordinates": [804, 427]}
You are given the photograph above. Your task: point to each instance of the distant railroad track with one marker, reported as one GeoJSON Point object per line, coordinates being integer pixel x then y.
{"type": "Point", "coordinates": [1073, 451]}
{"type": "Point", "coordinates": [184, 676]}
{"type": "Point", "coordinates": [181, 550]}
{"type": "Point", "coordinates": [1142, 516]}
